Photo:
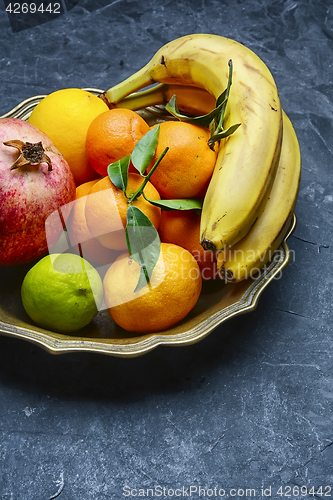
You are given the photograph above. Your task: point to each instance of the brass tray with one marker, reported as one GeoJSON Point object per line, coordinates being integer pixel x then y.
{"type": "Point", "coordinates": [217, 303]}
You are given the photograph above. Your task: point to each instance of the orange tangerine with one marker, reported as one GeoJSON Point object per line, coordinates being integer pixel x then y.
{"type": "Point", "coordinates": [113, 135]}
{"type": "Point", "coordinates": [106, 210]}
{"type": "Point", "coordinates": [82, 241]}
{"type": "Point", "coordinates": [172, 292]}
{"type": "Point", "coordinates": [182, 227]}
{"type": "Point", "coordinates": [187, 167]}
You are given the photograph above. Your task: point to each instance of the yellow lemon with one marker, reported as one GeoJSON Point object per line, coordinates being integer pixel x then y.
{"type": "Point", "coordinates": [65, 116]}
{"type": "Point", "coordinates": [62, 292]}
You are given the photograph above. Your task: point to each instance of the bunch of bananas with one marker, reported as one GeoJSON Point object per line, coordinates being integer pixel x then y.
{"type": "Point", "coordinates": [252, 194]}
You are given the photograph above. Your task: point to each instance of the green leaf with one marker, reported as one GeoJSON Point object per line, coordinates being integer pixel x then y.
{"type": "Point", "coordinates": [144, 150]}
{"type": "Point", "coordinates": [203, 120]}
{"type": "Point", "coordinates": [143, 279]}
{"type": "Point", "coordinates": [186, 204]}
{"type": "Point", "coordinates": [222, 98]}
{"type": "Point", "coordinates": [118, 172]}
{"type": "Point", "coordinates": [143, 243]}
{"type": "Point", "coordinates": [214, 119]}
{"type": "Point", "coordinates": [223, 134]}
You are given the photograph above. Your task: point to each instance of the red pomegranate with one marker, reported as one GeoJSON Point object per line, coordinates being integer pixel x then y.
{"type": "Point", "coordinates": [36, 188]}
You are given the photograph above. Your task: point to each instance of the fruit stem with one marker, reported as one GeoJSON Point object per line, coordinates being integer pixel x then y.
{"type": "Point", "coordinates": [147, 177]}
{"type": "Point", "coordinates": [143, 98]}
{"type": "Point", "coordinates": [137, 81]}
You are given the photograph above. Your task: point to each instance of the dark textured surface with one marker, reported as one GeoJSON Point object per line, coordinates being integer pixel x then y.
{"type": "Point", "coordinates": [251, 405]}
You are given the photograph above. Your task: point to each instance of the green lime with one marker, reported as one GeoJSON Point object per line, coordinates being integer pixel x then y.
{"type": "Point", "coordinates": [62, 292]}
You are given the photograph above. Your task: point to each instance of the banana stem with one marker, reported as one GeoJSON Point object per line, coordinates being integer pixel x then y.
{"type": "Point", "coordinates": [139, 80]}
{"type": "Point", "coordinates": [144, 98]}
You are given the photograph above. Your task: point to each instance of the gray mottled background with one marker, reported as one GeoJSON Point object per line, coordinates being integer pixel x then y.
{"type": "Point", "coordinates": [251, 405]}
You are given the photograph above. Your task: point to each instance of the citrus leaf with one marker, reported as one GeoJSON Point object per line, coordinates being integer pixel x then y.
{"type": "Point", "coordinates": [118, 172]}
{"type": "Point", "coordinates": [203, 120]}
{"type": "Point", "coordinates": [186, 204]}
{"type": "Point", "coordinates": [214, 119]}
{"type": "Point", "coordinates": [223, 134]}
{"type": "Point", "coordinates": [144, 150]}
{"type": "Point", "coordinates": [143, 279]}
{"type": "Point", "coordinates": [222, 98]}
{"type": "Point", "coordinates": [143, 243]}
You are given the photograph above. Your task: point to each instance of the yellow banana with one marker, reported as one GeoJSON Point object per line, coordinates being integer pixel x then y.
{"type": "Point", "coordinates": [252, 252]}
{"type": "Point", "coordinates": [247, 160]}
{"type": "Point", "coordinates": [190, 100]}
